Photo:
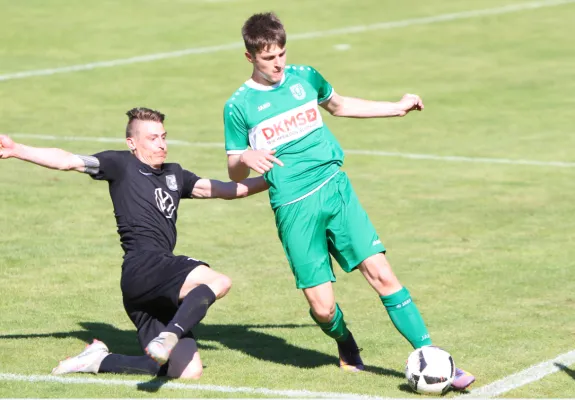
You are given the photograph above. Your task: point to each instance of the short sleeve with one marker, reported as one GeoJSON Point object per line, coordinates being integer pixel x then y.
{"type": "Point", "coordinates": [235, 129]}
{"type": "Point", "coordinates": [316, 80]}
{"type": "Point", "coordinates": [189, 181]}
{"type": "Point", "coordinates": [323, 87]}
{"type": "Point", "coordinates": [112, 165]}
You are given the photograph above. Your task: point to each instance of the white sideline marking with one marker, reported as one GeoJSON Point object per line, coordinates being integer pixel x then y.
{"type": "Point", "coordinates": [482, 160]}
{"type": "Point", "coordinates": [412, 156]}
{"type": "Point", "coordinates": [185, 386]}
{"type": "Point", "coordinates": [301, 36]}
{"type": "Point", "coordinates": [529, 375]}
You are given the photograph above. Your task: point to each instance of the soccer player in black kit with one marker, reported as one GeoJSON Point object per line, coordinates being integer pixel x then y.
{"type": "Point", "coordinates": [164, 295]}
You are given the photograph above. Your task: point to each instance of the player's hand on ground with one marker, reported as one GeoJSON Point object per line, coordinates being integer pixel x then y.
{"type": "Point", "coordinates": [410, 102]}
{"type": "Point", "coordinates": [260, 161]}
{"type": "Point", "coordinates": [6, 146]}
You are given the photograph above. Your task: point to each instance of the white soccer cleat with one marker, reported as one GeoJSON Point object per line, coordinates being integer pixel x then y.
{"type": "Point", "coordinates": [87, 361]}
{"type": "Point", "coordinates": [160, 347]}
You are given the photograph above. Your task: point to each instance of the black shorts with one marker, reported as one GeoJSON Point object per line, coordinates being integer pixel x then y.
{"type": "Point", "coordinates": [151, 284]}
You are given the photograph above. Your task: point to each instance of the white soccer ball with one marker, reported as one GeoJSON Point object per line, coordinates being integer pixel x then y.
{"type": "Point", "coordinates": [430, 370]}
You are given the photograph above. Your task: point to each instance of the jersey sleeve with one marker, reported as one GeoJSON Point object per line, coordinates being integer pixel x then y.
{"type": "Point", "coordinates": [235, 129]}
{"type": "Point", "coordinates": [323, 87]}
{"type": "Point", "coordinates": [189, 181]}
{"type": "Point", "coordinates": [112, 165]}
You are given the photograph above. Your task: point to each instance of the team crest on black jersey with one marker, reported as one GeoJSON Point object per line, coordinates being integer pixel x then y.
{"type": "Point", "coordinates": [298, 91]}
{"type": "Point", "coordinates": [165, 202]}
{"type": "Point", "coordinates": [171, 182]}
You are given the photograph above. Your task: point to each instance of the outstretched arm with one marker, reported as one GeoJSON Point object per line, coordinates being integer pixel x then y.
{"type": "Point", "coordinates": [341, 106]}
{"type": "Point", "coordinates": [214, 189]}
{"type": "Point", "coordinates": [50, 158]}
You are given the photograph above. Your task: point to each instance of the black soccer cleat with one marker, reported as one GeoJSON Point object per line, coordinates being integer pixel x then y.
{"type": "Point", "coordinates": [349, 358]}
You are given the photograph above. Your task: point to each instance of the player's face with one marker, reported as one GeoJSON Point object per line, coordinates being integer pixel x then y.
{"type": "Point", "coordinates": [269, 65]}
{"type": "Point", "coordinates": [149, 142]}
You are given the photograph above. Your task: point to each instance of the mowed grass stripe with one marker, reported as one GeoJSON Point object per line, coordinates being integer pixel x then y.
{"type": "Point", "coordinates": [184, 386]}
{"type": "Point", "coordinates": [376, 153]}
{"type": "Point", "coordinates": [301, 36]}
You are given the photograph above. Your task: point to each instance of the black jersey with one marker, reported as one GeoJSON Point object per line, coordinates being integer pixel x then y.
{"type": "Point", "coordinates": [145, 199]}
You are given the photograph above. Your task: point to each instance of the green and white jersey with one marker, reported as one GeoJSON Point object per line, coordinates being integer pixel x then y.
{"type": "Point", "coordinates": [286, 117]}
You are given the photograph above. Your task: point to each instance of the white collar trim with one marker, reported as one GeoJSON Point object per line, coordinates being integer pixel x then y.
{"type": "Point", "coordinates": [258, 86]}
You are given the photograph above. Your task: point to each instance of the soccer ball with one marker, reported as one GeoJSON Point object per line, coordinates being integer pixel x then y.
{"type": "Point", "coordinates": [430, 370]}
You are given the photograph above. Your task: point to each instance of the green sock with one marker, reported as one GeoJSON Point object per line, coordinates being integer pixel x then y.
{"type": "Point", "coordinates": [336, 328]}
{"type": "Point", "coordinates": [406, 318]}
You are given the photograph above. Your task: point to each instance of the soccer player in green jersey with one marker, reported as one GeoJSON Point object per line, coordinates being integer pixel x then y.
{"type": "Point", "coordinates": [276, 114]}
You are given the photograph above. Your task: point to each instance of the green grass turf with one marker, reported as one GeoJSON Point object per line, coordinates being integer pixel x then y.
{"type": "Point", "coordinates": [486, 249]}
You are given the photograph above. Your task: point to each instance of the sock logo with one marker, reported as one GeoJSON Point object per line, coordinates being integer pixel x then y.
{"type": "Point", "coordinates": [403, 304]}
{"type": "Point", "coordinates": [178, 326]}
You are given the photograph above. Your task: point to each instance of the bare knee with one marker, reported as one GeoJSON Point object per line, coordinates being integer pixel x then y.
{"type": "Point", "coordinates": [185, 361]}
{"type": "Point", "coordinates": [221, 285]}
{"type": "Point", "coordinates": [192, 371]}
{"type": "Point", "coordinates": [323, 312]}
{"type": "Point", "coordinates": [321, 301]}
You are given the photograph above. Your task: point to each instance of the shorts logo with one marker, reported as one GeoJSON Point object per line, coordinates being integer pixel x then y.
{"type": "Point", "coordinates": [165, 202]}
{"type": "Point", "coordinates": [171, 182]}
{"type": "Point", "coordinates": [376, 242]}
{"type": "Point", "coordinates": [298, 91]}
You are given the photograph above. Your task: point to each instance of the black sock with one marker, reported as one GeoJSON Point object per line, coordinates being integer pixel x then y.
{"type": "Point", "coordinates": [121, 364]}
{"type": "Point", "coordinates": [192, 310]}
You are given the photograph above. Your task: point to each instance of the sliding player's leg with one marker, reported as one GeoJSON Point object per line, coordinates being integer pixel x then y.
{"type": "Point", "coordinates": [199, 290]}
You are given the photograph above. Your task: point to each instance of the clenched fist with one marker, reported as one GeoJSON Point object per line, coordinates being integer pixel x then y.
{"type": "Point", "coordinates": [410, 102]}
{"type": "Point", "coordinates": [6, 146]}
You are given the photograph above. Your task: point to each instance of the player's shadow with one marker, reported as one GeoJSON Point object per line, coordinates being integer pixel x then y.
{"type": "Point", "coordinates": [121, 342]}
{"type": "Point", "coordinates": [404, 387]}
{"type": "Point", "coordinates": [153, 385]}
{"type": "Point", "coordinates": [263, 346]}
{"type": "Point", "coordinates": [566, 369]}
{"type": "Point", "coordinates": [245, 338]}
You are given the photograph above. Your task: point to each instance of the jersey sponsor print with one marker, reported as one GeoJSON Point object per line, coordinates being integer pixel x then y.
{"type": "Point", "coordinates": [285, 117]}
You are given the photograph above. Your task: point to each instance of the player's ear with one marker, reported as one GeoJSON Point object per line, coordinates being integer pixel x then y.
{"type": "Point", "coordinates": [249, 57]}
{"type": "Point", "coordinates": [130, 143]}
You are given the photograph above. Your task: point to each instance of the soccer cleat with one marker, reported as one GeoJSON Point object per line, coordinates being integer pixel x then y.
{"type": "Point", "coordinates": [349, 358]}
{"type": "Point", "coordinates": [88, 360]}
{"type": "Point", "coordinates": [462, 380]}
{"type": "Point", "coordinates": [160, 347]}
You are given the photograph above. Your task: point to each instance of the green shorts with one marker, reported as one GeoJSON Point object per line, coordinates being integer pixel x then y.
{"type": "Point", "coordinates": [329, 221]}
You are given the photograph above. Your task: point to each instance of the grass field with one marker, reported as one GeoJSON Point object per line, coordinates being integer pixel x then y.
{"type": "Point", "coordinates": [486, 248]}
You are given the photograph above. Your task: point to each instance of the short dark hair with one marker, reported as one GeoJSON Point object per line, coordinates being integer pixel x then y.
{"type": "Point", "coordinates": [263, 30]}
{"type": "Point", "coordinates": [142, 114]}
